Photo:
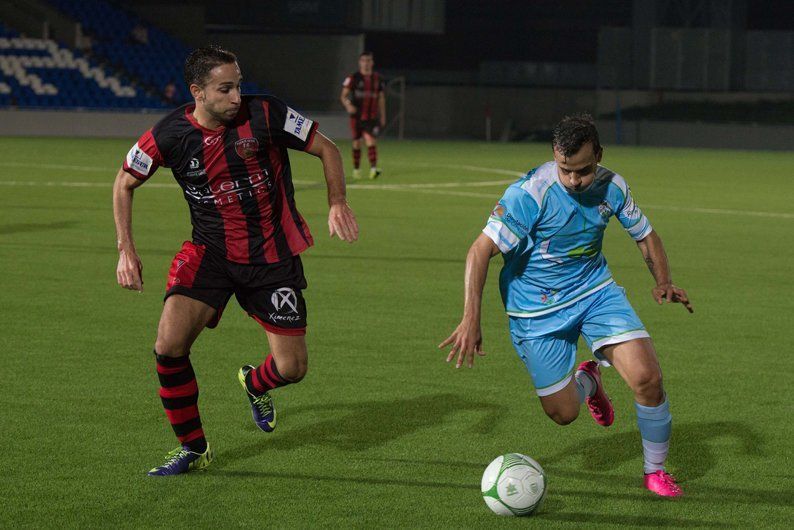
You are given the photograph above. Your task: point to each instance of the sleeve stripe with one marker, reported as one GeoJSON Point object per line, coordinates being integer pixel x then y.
{"type": "Point", "coordinates": [501, 236]}
{"type": "Point", "coordinates": [134, 174]}
{"type": "Point", "coordinates": [499, 221]}
{"type": "Point", "coordinates": [312, 134]}
{"type": "Point", "coordinates": [640, 230]}
{"type": "Point", "coordinates": [632, 225]}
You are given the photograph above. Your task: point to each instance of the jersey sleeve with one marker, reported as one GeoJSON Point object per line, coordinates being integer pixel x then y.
{"type": "Point", "coordinates": [512, 219]}
{"type": "Point", "coordinates": [288, 127]}
{"type": "Point", "coordinates": [143, 158]}
{"type": "Point", "coordinates": [348, 82]}
{"type": "Point", "coordinates": [629, 214]}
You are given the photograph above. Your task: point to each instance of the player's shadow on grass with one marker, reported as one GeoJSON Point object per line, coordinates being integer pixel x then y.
{"type": "Point", "coordinates": [21, 228]}
{"type": "Point", "coordinates": [692, 454]}
{"type": "Point", "coordinates": [690, 449]}
{"type": "Point", "coordinates": [362, 426]}
{"type": "Point", "coordinates": [389, 259]}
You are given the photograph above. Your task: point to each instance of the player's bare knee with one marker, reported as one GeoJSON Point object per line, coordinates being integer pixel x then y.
{"type": "Point", "coordinates": [299, 375]}
{"type": "Point", "coordinates": [648, 385]}
{"type": "Point", "coordinates": [563, 417]}
{"type": "Point", "coordinates": [562, 413]}
{"type": "Point", "coordinates": [168, 348]}
{"type": "Point", "coordinates": [298, 372]}
{"type": "Point", "coordinates": [293, 370]}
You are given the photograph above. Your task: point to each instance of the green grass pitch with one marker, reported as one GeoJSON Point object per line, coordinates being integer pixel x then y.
{"type": "Point", "coordinates": [383, 433]}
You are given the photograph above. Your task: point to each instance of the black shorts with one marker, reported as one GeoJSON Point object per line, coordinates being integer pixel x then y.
{"type": "Point", "coordinates": [358, 127]}
{"type": "Point", "coordinates": [271, 294]}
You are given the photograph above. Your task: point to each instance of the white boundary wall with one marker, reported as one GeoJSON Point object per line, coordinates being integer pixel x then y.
{"type": "Point", "coordinates": [335, 125]}
{"type": "Point", "coordinates": [99, 124]}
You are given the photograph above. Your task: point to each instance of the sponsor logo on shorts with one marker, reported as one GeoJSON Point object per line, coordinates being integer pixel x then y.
{"type": "Point", "coordinates": [297, 125]}
{"type": "Point", "coordinates": [284, 300]}
{"type": "Point", "coordinates": [246, 147]}
{"type": "Point", "coordinates": [548, 296]}
{"type": "Point", "coordinates": [275, 317]}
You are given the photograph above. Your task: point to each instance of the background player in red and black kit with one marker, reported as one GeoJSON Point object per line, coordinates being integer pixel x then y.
{"type": "Point", "coordinates": [364, 99]}
{"type": "Point", "coordinates": [228, 152]}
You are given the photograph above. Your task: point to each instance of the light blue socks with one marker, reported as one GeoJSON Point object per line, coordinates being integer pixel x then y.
{"type": "Point", "coordinates": [655, 425]}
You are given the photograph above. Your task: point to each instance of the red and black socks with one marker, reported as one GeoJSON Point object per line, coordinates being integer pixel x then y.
{"type": "Point", "coordinates": [372, 155]}
{"type": "Point", "coordinates": [265, 377]}
{"type": "Point", "coordinates": [356, 158]}
{"type": "Point", "coordinates": [179, 394]}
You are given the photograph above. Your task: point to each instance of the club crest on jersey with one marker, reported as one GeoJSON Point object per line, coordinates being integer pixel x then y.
{"type": "Point", "coordinates": [604, 209]}
{"type": "Point", "coordinates": [246, 147]}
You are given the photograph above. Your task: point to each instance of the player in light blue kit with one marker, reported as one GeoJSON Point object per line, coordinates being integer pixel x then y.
{"type": "Point", "coordinates": [556, 285]}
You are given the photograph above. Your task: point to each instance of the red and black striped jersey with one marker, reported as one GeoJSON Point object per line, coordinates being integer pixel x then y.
{"type": "Point", "coordinates": [365, 90]}
{"type": "Point", "coordinates": [236, 179]}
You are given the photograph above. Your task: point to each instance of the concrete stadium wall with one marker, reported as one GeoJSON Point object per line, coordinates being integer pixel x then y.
{"type": "Point", "coordinates": [305, 70]}
{"type": "Point", "coordinates": [95, 124]}
{"type": "Point", "coordinates": [460, 111]}
{"type": "Point", "coordinates": [607, 99]}
{"type": "Point", "coordinates": [447, 121]}
{"type": "Point", "coordinates": [88, 124]}
{"type": "Point", "coordinates": [697, 134]}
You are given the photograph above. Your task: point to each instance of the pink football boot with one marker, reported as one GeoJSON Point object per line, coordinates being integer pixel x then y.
{"type": "Point", "coordinates": [600, 405]}
{"type": "Point", "coordinates": [662, 483]}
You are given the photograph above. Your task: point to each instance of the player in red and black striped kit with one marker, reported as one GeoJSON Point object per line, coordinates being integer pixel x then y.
{"type": "Point", "coordinates": [364, 99]}
{"type": "Point", "coordinates": [228, 153]}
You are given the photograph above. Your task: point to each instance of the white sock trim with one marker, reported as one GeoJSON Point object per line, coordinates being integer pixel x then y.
{"type": "Point", "coordinates": [587, 382]}
{"type": "Point", "coordinates": [654, 455]}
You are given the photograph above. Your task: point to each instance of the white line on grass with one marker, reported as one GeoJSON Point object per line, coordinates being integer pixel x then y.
{"type": "Point", "coordinates": [719, 211]}
{"type": "Point", "coordinates": [57, 166]}
{"type": "Point", "coordinates": [439, 188]}
{"type": "Point", "coordinates": [77, 184]}
{"type": "Point", "coordinates": [465, 167]}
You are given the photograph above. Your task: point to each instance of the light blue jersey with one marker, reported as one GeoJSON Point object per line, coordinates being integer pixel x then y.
{"type": "Point", "coordinates": [551, 238]}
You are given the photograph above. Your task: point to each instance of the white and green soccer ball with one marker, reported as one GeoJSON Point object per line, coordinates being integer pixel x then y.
{"type": "Point", "coordinates": [513, 484]}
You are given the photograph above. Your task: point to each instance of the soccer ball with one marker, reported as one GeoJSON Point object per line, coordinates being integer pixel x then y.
{"type": "Point", "coordinates": [513, 484]}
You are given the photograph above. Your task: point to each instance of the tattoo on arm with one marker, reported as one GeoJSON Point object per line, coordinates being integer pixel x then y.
{"type": "Point", "coordinates": [649, 263]}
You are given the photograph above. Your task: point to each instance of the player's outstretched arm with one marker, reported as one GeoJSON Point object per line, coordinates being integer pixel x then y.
{"type": "Point", "coordinates": [129, 271]}
{"type": "Point", "coordinates": [656, 258]}
{"type": "Point", "coordinates": [341, 220]}
{"type": "Point", "coordinates": [466, 340]}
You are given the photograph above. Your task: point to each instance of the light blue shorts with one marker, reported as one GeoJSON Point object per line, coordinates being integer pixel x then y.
{"type": "Point", "coordinates": [547, 344]}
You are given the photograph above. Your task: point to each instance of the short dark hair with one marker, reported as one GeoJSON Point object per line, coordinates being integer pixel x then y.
{"type": "Point", "coordinates": [202, 60]}
{"type": "Point", "coordinates": [572, 132]}
{"type": "Point", "coordinates": [366, 53]}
